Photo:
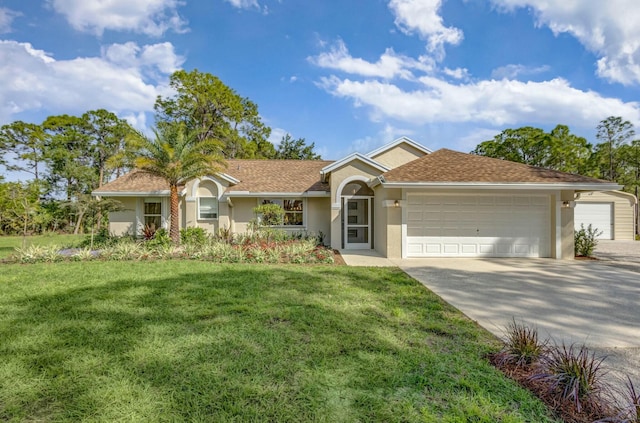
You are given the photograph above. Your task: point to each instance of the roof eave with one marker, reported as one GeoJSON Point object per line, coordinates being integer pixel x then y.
{"type": "Point", "coordinates": [162, 193]}
{"type": "Point", "coordinates": [277, 194]}
{"type": "Point", "coordinates": [576, 186]}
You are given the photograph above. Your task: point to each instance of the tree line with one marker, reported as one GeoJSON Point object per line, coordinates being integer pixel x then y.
{"type": "Point", "coordinates": [615, 157]}
{"type": "Point", "coordinates": [67, 157]}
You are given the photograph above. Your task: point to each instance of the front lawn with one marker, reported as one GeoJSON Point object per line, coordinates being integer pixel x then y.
{"type": "Point", "coordinates": [195, 341]}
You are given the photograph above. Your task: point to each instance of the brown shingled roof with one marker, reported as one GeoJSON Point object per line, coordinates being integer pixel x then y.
{"type": "Point", "coordinates": [254, 175]}
{"type": "Point", "coordinates": [451, 166]}
{"type": "Point", "coordinates": [277, 175]}
{"type": "Point", "coordinates": [135, 181]}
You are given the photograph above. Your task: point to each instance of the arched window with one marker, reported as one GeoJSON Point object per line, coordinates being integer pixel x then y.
{"type": "Point", "coordinates": [207, 201]}
{"type": "Point", "coordinates": [357, 188]}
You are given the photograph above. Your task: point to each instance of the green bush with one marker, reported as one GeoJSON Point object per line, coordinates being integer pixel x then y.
{"type": "Point", "coordinates": [585, 241]}
{"type": "Point", "coordinates": [160, 239]}
{"type": "Point", "coordinates": [193, 236]}
{"type": "Point", "coordinates": [269, 214]}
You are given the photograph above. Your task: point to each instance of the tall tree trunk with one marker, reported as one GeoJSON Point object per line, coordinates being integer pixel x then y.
{"type": "Point", "coordinates": [174, 231]}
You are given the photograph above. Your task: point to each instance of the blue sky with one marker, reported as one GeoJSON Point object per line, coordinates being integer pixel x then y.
{"type": "Point", "coordinates": [346, 75]}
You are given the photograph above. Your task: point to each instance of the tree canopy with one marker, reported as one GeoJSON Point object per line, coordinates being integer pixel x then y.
{"type": "Point", "coordinates": [204, 104]}
{"type": "Point", "coordinates": [290, 149]}
{"type": "Point", "coordinates": [615, 158]}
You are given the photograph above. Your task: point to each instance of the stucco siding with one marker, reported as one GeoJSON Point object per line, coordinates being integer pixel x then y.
{"type": "Point", "coordinates": [124, 222]}
{"type": "Point", "coordinates": [243, 213]}
{"type": "Point", "coordinates": [318, 217]}
{"type": "Point", "coordinates": [623, 211]}
{"type": "Point", "coordinates": [398, 155]}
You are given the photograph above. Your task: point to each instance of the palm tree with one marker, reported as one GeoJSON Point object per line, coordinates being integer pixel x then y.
{"type": "Point", "coordinates": [177, 155]}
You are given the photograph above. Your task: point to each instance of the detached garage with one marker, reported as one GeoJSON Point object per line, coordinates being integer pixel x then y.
{"type": "Point", "coordinates": [611, 212]}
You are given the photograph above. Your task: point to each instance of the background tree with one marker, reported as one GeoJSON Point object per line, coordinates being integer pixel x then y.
{"type": "Point", "coordinates": [69, 156]}
{"type": "Point", "coordinates": [558, 149]}
{"type": "Point", "coordinates": [23, 148]}
{"type": "Point", "coordinates": [209, 108]}
{"type": "Point", "coordinates": [110, 147]}
{"type": "Point", "coordinates": [523, 145]}
{"type": "Point", "coordinates": [613, 132]}
{"type": "Point", "coordinates": [178, 154]}
{"type": "Point", "coordinates": [290, 149]}
{"type": "Point", "coordinates": [569, 152]}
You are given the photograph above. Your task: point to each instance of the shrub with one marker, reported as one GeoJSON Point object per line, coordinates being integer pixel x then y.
{"type": "Point", "coordinates": [573, 375]}
{"type": "Point", "coordinates": [585, 240]}
{"type": "Point", "coordinates": [160, 239]}
{"type": "Point", "coordinates": [193, 236]}
{"type": "Point", "coordinates": [39, 253]}
{"type": "Point", "coordinates": [522, 347]}
{"type": "Point", "coordinates": [148, 232]}
{"type": "Point", "coordinates": [269, 214]}
{"type": "Point", "coordinates": [101, 239]}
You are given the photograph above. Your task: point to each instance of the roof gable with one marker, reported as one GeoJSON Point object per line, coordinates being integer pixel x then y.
{"type": "Point", "coordinates": [395, 143]}
{"type": "Point", "coordinates": [350, 158]}
{"type": "Point", "coordinates": [452, 167]}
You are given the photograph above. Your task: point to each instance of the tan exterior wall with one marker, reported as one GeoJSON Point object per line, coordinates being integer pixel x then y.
{"type": "Point", "coordinates": [242, 213]}
{"type": "Point", "coordinates": [623, 211]}
{"type": "Point", "coordinates": [398, 155]}
{"type": "Point", "coordinates": [124, 222]}
{"type": "Point", "coordinates": [354, 168]}
{"type": "Point", "coordinates": [566, 227]}
{"type": "Point", "coordinates": [388, 222]}
{"type": "Point", "coordinates": [318, 217]}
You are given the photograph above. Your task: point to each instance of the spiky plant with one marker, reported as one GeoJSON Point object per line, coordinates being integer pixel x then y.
{"type": "Point", "coordinates": [522, 345]}
{"type": "Point", "coordinates": [574, 375]}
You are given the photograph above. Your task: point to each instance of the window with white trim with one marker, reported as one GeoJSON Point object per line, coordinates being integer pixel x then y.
{"type": "Point", "coordinates": [153, 213]}
{"type": "Point", "coordinates": [207, 208]}
{"type": "Point", "coordinates": [293, 209]}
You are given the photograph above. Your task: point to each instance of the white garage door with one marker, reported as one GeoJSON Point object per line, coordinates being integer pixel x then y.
{"type": "Point", "coordinates": [599, 215]}
{"type": "Point", "coordinates": [477, 226]}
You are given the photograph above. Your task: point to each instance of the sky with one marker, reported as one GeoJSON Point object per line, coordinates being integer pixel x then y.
{"type": "Point", "coordinates": [347, 75]}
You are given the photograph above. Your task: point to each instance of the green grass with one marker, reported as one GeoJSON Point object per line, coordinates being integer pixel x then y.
{"type": "Point", "coordinates": [8, 244]}
{"type": "Point", "coordinates": [194, 341]}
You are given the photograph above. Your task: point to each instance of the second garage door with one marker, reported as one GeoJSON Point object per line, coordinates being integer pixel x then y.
{"type": "Point", "coordinates": [598, 215]}
{"type": "Point", "coordinates": [477, 226]}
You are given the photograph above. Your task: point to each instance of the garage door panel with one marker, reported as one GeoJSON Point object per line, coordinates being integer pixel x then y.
{"type": "Point", "coordinates": [479, 226]}
{"type": "Point", "coordinates": [599, 215]}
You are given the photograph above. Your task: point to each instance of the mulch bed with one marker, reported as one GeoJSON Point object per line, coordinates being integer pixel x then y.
{"type": "Point", "coordinates": [337, 259]}
{"type": "Point", "coordinates": [565, 410]}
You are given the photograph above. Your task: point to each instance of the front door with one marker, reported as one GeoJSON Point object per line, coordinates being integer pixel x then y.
{"type": "Point", "coordinates": [357, 223]}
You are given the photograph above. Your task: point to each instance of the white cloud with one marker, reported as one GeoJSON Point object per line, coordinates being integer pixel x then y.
{"type": "Point", "coordinates": [422, 16]}
{"type": "Point", "coordinates": [390, 65]}
{"type": "Point", "coordinates": [458, 73]}
{"type": "Point", "coordinates": [276, 136]}
{"type": "Point", "coordinates": [514, 71]}
{"type": "Point", "coordinates": [244, 4]}
{"type": "Point", "coordinates": [151, 17]}
{"type": "Point", "coordinates": [499, 103]}
{"type": "Point", "coordinates": [126, 79]}
{"type": "Point", "coordinates": [608, 28]}
{"type": "Point", "coordinates": [369, 143]}
{"type": "Point", "coordinates": [6, 19]}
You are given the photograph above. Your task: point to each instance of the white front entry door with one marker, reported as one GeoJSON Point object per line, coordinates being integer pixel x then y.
{"type": "Point", "coordinates": [357, 223]}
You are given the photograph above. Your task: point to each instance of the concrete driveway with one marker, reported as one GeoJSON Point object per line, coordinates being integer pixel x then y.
{"type": "Point", "coordinates": [591, 302]}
